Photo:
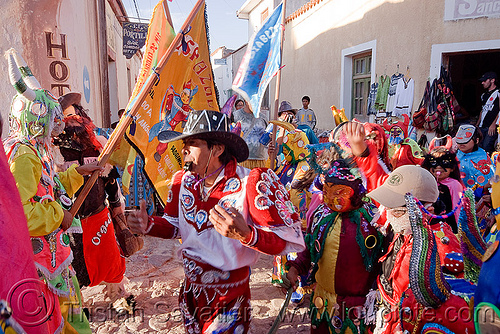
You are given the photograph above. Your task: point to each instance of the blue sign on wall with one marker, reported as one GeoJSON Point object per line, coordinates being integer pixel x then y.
{"type": "Point", "coordinates": [86, 84]}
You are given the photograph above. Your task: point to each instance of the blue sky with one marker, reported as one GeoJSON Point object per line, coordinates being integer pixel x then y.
{"type": "Point", "coordinates": [225, 28]}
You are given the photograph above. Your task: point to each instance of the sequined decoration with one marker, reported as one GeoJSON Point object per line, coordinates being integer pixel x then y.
{"type": "Point", "coordinates": [426, 277]}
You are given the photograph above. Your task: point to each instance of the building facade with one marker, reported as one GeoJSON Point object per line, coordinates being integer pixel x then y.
{"type": "Point", "coordinates": [333, 50]}
{"type": "Point", "coordinates": [71, 45]}
{"type": "Point", "coordinates": [222, 67]}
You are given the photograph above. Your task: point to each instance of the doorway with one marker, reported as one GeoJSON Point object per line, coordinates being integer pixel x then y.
{"type": "Point", "coordinates": [465, 69]}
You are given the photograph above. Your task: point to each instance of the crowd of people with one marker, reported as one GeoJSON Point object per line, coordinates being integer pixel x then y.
{"type": "Point", "coordinates": [384, 236]}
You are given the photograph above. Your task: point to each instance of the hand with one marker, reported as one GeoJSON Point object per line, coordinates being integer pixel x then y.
{"type": "Point", "coordinates": [67, 220]}
{"type": "Point", "coordinates": [231, 225]}
{"type": "Point", "coordinates": [292, 275]}
{"type": "Point", "coordinates": [116, 211]}
{"type": "Point", "coordinates": [271, 148]}
{"type": "Point", "coordinates": [137, 220]}
{"type": "Point", "coordinates": [89, 168]}
{"type": "Point", "coordinates": [355, 134]}
{"type": "Point", "coordinates": [492, 129]}
{"type": "Point", "coordinates": [487, 198]}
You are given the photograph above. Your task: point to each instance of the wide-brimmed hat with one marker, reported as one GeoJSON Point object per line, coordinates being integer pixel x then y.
{"type": "Point", "coordinates": [69, 99]}
{"type": "Point", "coordinates": [209, 125]}
{"type": "Point", "coordinates": [406, 179]}
{"type": "Point", "coordinates": [488, 75]}
{"type": "Point", "coordinates": [286, 106]}
{"type": "Point", "coordinates": [465, 133]}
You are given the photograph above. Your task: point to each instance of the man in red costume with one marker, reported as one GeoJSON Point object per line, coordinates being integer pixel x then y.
{"type": "Point", "coordinates": [226, 215]}
{"type": "Point", "coordinates": [390, 191]}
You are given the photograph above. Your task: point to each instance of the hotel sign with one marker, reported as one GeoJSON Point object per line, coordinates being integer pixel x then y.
{"type": "Point", "coordinates": [470, 9]}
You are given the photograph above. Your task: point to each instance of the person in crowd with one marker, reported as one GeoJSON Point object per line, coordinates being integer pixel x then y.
{"type": "Point", "coordinates": [342, 253]}
{"type": "Point", "coordinates": [252, 129]}
{"type": "Point", "coordinates": [442, 162]}
{"type": "Point", "coordinates": [101, 208]}
{"type": "Point", "coordinates": [225, 215]}
{"type": "Point", "coordinates": [306, 116]}
{"type": "Point", "coordinates": [239, 104]}
{"type": "Point", "coordinates": [306, 121]}
{"type": "Point", "coordinates": [487, 294]}
{"type": "Point", "coordinates": [475, 165]}
{"type": "Point", "coordinates": [488, 118]}
{"type": "Point", "coordinates": [36, 117]}
{"type": "Point", "coordinates": [16, 258]}
{"type": "Point", "coordinates": [120, 114]}
{"type": "Point", "coordinates": [290, 166]}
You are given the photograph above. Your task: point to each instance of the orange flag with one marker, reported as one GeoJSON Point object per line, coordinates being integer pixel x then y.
{"type": "Point", "coordinates": [184, 84]}
{"type": "Point", "coordinates": [160, 35]}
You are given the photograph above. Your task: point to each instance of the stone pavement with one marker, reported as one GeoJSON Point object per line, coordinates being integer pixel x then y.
{"type": "Point", "coordinates": [154, 276]}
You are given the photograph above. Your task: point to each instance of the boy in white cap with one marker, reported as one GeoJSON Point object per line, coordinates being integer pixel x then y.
{"type": "Point", "coordinates": [390, 193]}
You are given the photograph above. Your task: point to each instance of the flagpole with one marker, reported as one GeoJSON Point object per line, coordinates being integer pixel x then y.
{"type": "Point", "coordinates": [278, 84]}
{"type": "Point", "coordinates": [119, 132]}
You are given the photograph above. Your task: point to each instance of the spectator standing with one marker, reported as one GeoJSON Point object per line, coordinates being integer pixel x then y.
{"type": "Point", "coordinates": [488, 118]}
{"type": "Point", "coordinates": [252, 128]}
{"type": "Point", "coordinates": [306, 116]}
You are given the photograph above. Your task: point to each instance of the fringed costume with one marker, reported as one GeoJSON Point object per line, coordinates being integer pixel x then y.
{"type": "Point", "coordinates": [35, 116]}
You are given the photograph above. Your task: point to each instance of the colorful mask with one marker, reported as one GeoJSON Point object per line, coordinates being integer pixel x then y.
{"type": "Point", "coordinates": [398, 130]}
{"type": "Point", "coordinates": [409, 153]}
{"type": "Point", "coordinates": [338, 197]}
{"type": "Point", "coordinates": [35, 112]}
{"type": "Point", "coordinates": [376, 135]}
{"type": "Point", "coordinates": [342, 191]}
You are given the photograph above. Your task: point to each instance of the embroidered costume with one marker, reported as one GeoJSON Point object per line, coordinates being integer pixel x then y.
{"type": "Point", "coordinates": [342, 254]}
{"type": "Point", "coordinates": [217, 268]}
{"type": "Point", "coordinates": [35, 116]}
{"type": "Point", "coordinates": [215, 265]}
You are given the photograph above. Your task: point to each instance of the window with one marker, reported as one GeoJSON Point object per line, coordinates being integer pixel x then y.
{"type": "Point", "coordinates": [264, 15]}
{"type": "Point", "coordinates": [361, 75]}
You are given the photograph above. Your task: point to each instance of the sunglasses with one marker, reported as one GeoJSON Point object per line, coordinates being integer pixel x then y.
{"type": "Point", "coordinates": [443, 162]}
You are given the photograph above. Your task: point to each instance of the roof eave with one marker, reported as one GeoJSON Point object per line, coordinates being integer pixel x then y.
{"type": "Point", "coordinates": [246, 8]}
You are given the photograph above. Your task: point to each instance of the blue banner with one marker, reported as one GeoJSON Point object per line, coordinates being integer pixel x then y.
{"type": "Point", "coordinates": [261, 61]}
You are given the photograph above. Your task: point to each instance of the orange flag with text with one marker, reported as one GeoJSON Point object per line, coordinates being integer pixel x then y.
{"type": "Point", "coordinates": [184, 84]}
{"type": "Point", "coordinates": [160, 35]}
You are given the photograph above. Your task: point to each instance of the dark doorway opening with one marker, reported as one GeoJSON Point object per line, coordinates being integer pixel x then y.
{"type": "Point", "coordinates": [465, 69]}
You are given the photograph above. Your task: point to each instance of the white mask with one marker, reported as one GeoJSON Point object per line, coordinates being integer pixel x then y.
{"type": "Point", "coordinates": [400, 223]}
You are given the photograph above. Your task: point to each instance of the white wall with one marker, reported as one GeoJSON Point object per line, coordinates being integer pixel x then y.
{"type": "Point", "coordinates": [223, 75]}
{"type": "Point", "coordinates": [77, 19]}
{"type": "Point", "coordinates": [11, 37]}
{"type": "Point", "coordinates": [254, 21]}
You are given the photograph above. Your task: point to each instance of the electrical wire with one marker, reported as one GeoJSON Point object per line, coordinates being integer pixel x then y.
{"type": "Point", "coordinates": [137, 10]}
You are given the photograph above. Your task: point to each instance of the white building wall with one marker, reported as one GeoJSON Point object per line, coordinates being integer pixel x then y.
{"type": "Point", "coordinates": [77, 20]}
{"type": "Point", "coordinates": [223, 74]}
{"type": "Point", "coordinates": [254, 21]}
{"type": "Point", "coordinates": [319, 41]}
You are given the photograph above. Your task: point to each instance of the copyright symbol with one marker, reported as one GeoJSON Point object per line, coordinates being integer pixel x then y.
{"type": "Point", "coordinates": [31, 302]}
